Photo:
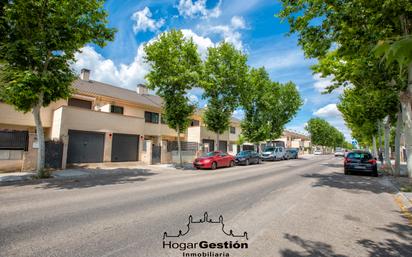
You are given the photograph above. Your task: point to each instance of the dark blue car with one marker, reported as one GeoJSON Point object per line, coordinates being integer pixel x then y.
{"type": "Point", "coordinates": [247, 157]}
{"type": "Point", "coordinates": [291, 153]}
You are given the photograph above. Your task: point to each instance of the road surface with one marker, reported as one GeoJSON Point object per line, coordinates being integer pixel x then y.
{"type": "Point", "coordinates": [303, 207]}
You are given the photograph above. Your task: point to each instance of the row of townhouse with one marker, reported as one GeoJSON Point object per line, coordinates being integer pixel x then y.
{"type": "Point", "coordinates": [104, 123]}
{"type": "Point", "coordinates": [101, 123]}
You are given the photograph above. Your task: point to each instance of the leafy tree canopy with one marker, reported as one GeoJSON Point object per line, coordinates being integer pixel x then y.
{"type": "Point", "coordinates": [224, 80]}
{"type": "Point", "coordinates": [38, 42]}
{"type": "Point", "coordinates": [176, 65]}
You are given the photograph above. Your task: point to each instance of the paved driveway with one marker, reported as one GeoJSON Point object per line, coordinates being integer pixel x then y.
{"type": "Point", "coordinates": [304, 207]}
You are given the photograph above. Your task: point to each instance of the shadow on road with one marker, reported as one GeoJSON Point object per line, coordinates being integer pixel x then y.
{"type": "Point", "coordinates": [93, 177]}
{"type": "Point", "coordinates": [354, 184]}
{"type": "Point", "coordinates": [391, 247]}
{"type": "Point", "coordinates": [385, 247]}
{"type": "Point", "coordinates": [310, 248]}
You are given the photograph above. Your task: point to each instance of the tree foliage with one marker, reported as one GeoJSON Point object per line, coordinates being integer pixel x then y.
{"type": "Point", "coordinates": [268, 106]}
{"type": "Point", "coordinates": [255, 125]}
{"type": "Point", "coordinates": [324, 134]}
{"type": "Point", "coordinates": [223, 81]}
{"type": "Point", "coordinates": [175, 65]}
{"type": "Point", "coordinates": [37, 44]}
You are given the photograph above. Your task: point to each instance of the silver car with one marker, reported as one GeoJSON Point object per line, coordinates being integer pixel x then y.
{"type": "Point", "coordinates": [273, 153]}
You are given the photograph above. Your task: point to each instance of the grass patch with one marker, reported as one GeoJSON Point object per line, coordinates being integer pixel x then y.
{"type": "Point", "coordinates": [406, 188]}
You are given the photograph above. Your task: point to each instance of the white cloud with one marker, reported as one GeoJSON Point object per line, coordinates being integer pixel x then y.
{"type": "Point", "coordinates": [203, 43]}
{"type": "Point", "coordinates": [322, 83]}
{"type": "Point", "coordinates": [229, 33]}
{"type": "Point", "coordinates": [197, 8]}
{"type": "Point", "coordinates": [282, 60]}
{"type": "Point", "coordinates": [125, 75]}
{"type": "Point", "coordinates": [238, 22]}
{"type": "Point", "coordinates": [144, 22]}
{"type": "Point", "coordinates": [104, 70]}
{"type": "Point", "coordinates": [330, 110]}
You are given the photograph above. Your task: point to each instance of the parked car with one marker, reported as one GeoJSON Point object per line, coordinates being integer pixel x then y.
{"type": "Point", "coordinates": [213, 160]}
{"type": "Point", "coordinates": [317, 152]}
{"type": "Point", "coordinates": [247, 157]}
{"type": "Point", "coordinates": [360, 161]}
{"type": "Point", "coordinates": [273, 153]}
{"type": "Point", "coordinates": [339, 152]}
{"type": "Point", "coordinates": [291, 153]}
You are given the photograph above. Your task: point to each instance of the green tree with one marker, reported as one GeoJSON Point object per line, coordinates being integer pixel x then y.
{"type": "Point", "coordinates": [255, 125]}
{"type": "Point", "coordinates": [324, 134]}
{"type": "Point", "coordinates": [223, 81]}
{"type": "Point", "coordinates": [326, 25]}
{"type": "Point", "coordinates": [282, 102]}
{"type": "Point", "coordinates": [38, 43]}
{"type": "Point", "coordinates": [268, 106]}
{"type": "Point", "coordinates": [176, 67]}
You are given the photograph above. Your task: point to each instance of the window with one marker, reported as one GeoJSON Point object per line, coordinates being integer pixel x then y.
{"type": "Point", "coordinates": [14, 140]}
{"type": "Point", "coordinates": [116, 109]}
{"type": "Point", "coordinates": [80, 103]}
{"type": "Point", "coordinates": [194, 123]}
{"type": "Point", "coordinates": [151, 117]}
{"type": "Point", "coordinates": [232, 130]}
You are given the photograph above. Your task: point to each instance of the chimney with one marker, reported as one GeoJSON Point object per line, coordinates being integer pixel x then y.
{"type": "Point", "coordinates": [142, 89]}
{"type": "Point", "coordinates": [85, 74]}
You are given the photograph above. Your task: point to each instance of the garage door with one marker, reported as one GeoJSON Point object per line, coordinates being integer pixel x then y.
{"type": "Point", "coordinates": [211, 144]}
{"type": "Point", "coordinates": [125, 147]}
{"type": "Point", "coordinates": [85, 146]}
{"type": "Point", "coordinates": [223, 146]}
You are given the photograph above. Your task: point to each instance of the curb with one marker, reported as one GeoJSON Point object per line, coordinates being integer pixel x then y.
{"type": "Point", "coordinates": [403, 202]}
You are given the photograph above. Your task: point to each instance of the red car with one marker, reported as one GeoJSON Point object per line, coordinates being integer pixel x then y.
{"type": "Point", "coordinates": [213, 160]}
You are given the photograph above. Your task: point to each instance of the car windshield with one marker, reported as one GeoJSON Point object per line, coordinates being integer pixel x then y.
{"type": "Point", "coordinates": [269, 149]}
{"type": "Point", "coordinates": [210, 154]}
{"type": "Point", "coordinates": [360, 156]}
{"type": "Point", "coordinates": [243, 153]}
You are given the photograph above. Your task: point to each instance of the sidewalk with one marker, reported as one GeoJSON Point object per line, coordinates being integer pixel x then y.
{"type": "Point", "coordinates": [16, 176]}
{"type": "Point", "coordinates": [101, 169]}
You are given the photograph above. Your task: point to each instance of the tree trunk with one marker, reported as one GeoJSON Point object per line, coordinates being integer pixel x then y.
{"type": "Point", "coordinates": [374, 151]}
{"type": "Point", "coordinates": [217, 142]}
{"type": "Point", "coordinates": [40, 140]}
{"type": "Point", "coordinates": [398, 144]}
{"type": "Point", "coordinates": [380, 137]}
{"type": "Point", "coordinates": [179, 147]}
{"type": "Point", "coordinates": [386, 155]}
{"type": "Point", "coordinates": [406, 98]}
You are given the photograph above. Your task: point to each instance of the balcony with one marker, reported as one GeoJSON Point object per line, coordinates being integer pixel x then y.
{"type": "Point", "coordinates": [67, 117]}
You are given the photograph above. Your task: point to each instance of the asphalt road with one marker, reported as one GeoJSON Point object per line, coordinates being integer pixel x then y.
{"type": "Point", "coordinates": [304, 207]}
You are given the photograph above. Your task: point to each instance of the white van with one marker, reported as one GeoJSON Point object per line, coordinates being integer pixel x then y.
{"type": "Point", "coordinates": [273, 153]}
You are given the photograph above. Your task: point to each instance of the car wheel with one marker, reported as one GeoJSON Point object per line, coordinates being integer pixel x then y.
{"type": "Point", "coordinates": [214, 166]}
{"type": "Point", "coordinates": [346, 172]}
{"type": "Point", "coordinates": [231, 164]}
{"type": "Point", "coordinates": [247, 162]}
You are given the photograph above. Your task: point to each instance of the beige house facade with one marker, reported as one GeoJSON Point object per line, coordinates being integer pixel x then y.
{"type": "Point", "coordinates": [102, 123]}
{"type": "Point", "coordinates": [99, 123]}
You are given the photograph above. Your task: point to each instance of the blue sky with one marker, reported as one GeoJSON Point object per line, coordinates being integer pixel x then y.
{"type": "Point", "coordinates": [250, 25]}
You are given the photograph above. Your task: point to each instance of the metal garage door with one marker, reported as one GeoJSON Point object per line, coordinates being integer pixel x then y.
{"type": "Point", "coordinates": [125, 147]}
{"type": "Point", "coordinates": [211, 144]}
{"type": "Point", "coordinates": [85, 146]}
{"type": "Point", "coordinates": [223, 146]}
